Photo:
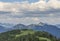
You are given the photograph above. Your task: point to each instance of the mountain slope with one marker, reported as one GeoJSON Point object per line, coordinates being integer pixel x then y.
{"type": "Point", "coordinates": [2, 29]}
{"type": "Point", "coordinates": [30, 35]}
{"type": "Point", "coordinates": [48, 28]}
{"type": "Point", "coordinates": [19, 26]}
{"type": "Point", "coordinates": [54, 30]}
{"type": "Point", "coordinates": [58, 25]}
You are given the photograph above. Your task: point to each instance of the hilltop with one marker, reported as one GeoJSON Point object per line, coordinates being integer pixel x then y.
{"type": "Point", "coordinates": [26, 35]}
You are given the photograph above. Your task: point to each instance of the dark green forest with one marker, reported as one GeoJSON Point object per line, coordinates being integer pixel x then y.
{"type": "Point", "coordinates": [27, 35]}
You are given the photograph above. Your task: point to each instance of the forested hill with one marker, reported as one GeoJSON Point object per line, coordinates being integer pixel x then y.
{"type": "Point", "coordinates": [27, 35]}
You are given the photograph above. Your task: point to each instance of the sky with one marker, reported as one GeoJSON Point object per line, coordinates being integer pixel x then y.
{"type": "Point", "coordinates": [30, 11]}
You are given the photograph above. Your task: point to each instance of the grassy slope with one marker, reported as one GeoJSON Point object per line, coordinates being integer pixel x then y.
{"type": "Point", "coordinates": [25, 33]}
{"type": "Point", "coordinates": [42, 38]}
{"type": "Point", "coordinates": [30, 32]}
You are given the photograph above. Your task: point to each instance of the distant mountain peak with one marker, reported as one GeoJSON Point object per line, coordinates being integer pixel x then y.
{"type": "Point", "coordinates": [41, 24]}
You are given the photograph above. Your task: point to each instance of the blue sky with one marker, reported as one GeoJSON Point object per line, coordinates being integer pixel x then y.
{"type": "Point", "coordinates": [10, 0]}
{"type": "Point", "coordinates": [35, 11]}
{"type": "Point", "coordinates": [19, 0]}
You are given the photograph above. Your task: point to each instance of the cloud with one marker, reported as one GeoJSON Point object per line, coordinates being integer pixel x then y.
{"type": "Point", "coordinates": [30, 20]}
{"type": "Point", "coordinates": [19, 20]}
{"type": "Point", "coordinates": [54, 4]}
{"type": "Point", "coordinates": [41, 5]}
{"type": "Point", "coordinates": [17, 12]}
{"type": "Point", "coordinates": [51, 20]}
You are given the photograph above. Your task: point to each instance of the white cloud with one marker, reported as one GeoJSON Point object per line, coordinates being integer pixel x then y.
{"type": "Point", "coordinates": [50, 20]}
{"type": "Point", "coordinates": [30, 20]}
{"type": "Point", "coordinates": [54, 4]}
{"type": "Point", "coordinates": [51, 15]}
{"type": "Point", "coordinates": [40, 8]}
{"type": "Point", "coordinates": [26, 20]}
{"type": "Point", "coordinates": [41, 5]}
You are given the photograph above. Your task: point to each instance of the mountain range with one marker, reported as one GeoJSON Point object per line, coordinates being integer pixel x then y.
{"type": "Point", "coordinates": [54, 30]}
{"type": "Point", "coordinates": [58, 25]}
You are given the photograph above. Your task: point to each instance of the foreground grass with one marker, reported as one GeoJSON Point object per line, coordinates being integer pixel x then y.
{"type": "Point", "coordinates": [42, 38]}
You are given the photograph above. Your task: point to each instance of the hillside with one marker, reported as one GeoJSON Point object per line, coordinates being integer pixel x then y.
{"type": "Point", "coordinates": [41, 27]}
{"type": "Point", "coordinates": [26, 35]}
{"type": "Point", "coordinates": [53, 29]}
